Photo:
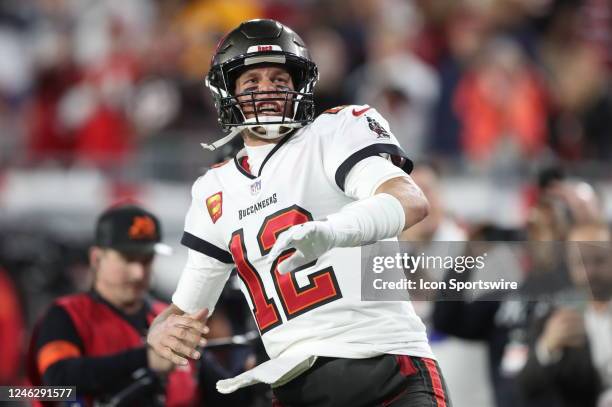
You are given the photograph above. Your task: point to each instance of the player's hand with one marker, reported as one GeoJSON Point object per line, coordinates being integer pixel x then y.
{"type": "Point", "coordinates": [177, 337]}
{"type": "Point", "coordinates": [310, 240]}
{"type": "Point", "coordinates": [158, 363]}
{"type": "Point", "coordinates": [565, 328]}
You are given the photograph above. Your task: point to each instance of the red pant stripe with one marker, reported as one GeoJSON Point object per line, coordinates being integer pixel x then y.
{"type": "Point", "coordinates": [436, 382]}
{"type": "Point", "coordinates": [407, 368]}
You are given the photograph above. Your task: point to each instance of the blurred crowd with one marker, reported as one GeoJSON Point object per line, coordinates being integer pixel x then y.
{"type": "Point", "coordinates": [487, 84]}
{"type": "Point", "coordinates": [549, 343]}
{"type": "Point", "coordinates": [501, 88]}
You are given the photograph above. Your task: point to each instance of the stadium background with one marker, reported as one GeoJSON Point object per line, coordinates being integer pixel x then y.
{"type": "Point", "coordinates": [104, 100]}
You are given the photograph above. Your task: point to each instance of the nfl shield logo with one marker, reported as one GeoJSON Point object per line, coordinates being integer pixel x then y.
{"type": "Point", "coordinates": [255, 187]}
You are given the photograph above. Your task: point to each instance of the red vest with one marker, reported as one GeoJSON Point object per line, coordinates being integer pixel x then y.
{"type": "Point", "coordinates": [103, 332]}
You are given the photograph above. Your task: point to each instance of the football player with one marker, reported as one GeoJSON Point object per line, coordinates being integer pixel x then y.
{"type": "Point", "coordinates": [283, 212]}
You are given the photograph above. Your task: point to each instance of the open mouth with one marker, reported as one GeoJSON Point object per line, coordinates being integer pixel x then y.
{"type": "Point", "coordinates": [269, 108]}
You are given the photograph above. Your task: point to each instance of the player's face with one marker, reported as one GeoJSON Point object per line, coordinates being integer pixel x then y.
{"type": "Point", "coordinates": [122, 279]}
{"type": "Point", "coordinates": [271, 79]}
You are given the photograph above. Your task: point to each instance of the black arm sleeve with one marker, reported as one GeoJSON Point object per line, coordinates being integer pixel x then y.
{"type": "Point", "coordinates": [88, 373]}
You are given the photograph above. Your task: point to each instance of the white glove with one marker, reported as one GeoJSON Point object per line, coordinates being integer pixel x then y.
{"type": "Point", "coordinates": [310, 240]}
{"type": "Point", "coordinates": [380, 216]}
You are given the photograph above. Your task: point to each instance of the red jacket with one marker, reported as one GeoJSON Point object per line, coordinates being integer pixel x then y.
{"type": "Point", "coordinates": [104, 332]}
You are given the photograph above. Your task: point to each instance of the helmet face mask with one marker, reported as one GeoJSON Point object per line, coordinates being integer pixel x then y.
{"type": "Point", "coordinates": [254, 44]}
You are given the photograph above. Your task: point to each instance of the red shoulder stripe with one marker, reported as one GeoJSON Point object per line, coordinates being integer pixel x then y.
{"type": "Point", "coordinates": [334, 110]}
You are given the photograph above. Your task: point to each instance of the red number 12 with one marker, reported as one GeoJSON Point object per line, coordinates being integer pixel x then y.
{"type": "Point", "coordinates": [322, 286]}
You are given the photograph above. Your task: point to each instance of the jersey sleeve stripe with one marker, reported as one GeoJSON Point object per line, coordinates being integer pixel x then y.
{"type": "Point", "coordinates": [204, 247]}
{"type": "Point", "coordinates": [371, 150]}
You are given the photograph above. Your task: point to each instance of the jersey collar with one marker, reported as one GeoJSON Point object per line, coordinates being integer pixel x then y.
{"type": "Point", "coordinates": [241, 159]}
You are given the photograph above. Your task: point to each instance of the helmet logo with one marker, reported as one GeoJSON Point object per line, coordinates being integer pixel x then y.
{"type": "Point", "coordinates": [263, 48]}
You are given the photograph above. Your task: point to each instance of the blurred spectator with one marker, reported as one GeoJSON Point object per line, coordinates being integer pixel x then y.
{"type": "Point", "coordinates": [504, 325]}
{"type": "Point", "coordinates": [581, 124]}
{"type": "Point", "coordinates": [570, 355]}
{"type": "Point", "coordinates": [104, 80]}
{"type": "Point", "coordinates": [501, 106]}
{"type": "Point", "coordinates": [94, 340]}
{"type": "Point", "coordinates": [330, 54]}
{"type": "Point", "coordinates": [104, 134]}
{"type": "Point", "coordinates": [97, 26]}
{"type": "Point", "coordinates": [559, 203]}
{"type": "Point", "coordinates": [16, 72]}
{"type": "Point", "coordinates": [460, 32]}
{"type": "Point", "coordinates": [87, 69]}
{"type": "Point", "coordinates": [350, 19]}
{"type": "Point", "coordinates": [573, 53]}
{"type": "Point", "coordinates": [12, 333]}
{"type": "Point", "coordinates": [50, 137]}
{"type": "Point", "coordinates": [398, 83]}
{"type": "Point", "coordinates": [500, 324]}
{"type": "Point", "coordinates": [201, 24]}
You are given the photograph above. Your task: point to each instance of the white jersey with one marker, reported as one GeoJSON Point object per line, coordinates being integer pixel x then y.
{"type": "Point", "coordinates": [236, 216]}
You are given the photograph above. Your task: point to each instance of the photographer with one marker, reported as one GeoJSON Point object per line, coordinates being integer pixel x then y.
{"type": "Point", "coordinates": [570, 355]}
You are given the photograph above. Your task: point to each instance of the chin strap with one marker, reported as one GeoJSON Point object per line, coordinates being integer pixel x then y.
{"type": "Point", "coordinates": [272, 131]}
{"type": "Point", "coordinates": [222, 141]}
